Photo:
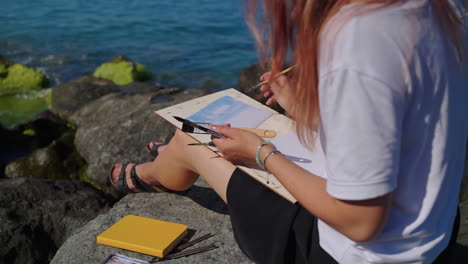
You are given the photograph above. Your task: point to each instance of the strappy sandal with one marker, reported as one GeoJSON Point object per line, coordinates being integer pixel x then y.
{"type": "Point", "coordinates": [140, 185]}
{"type": "Point", "coordinates": [154, 150]}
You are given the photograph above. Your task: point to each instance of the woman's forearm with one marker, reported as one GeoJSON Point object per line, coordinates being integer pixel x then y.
{"type": "Point", "coordinates": [358, 220]}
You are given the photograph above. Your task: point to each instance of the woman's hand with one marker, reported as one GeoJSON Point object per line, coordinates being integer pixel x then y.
{"type": "Point", "coordinates": [278, 90]}
{"type": "Point", "coordinates": [239, 147]}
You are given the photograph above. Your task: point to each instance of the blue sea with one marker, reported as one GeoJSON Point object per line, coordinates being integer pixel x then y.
{"type": "Point", "coordinates": [186, 44]}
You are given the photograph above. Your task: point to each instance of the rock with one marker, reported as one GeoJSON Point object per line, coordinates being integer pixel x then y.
{"type": "Point", "coordinates": [122, 71]}
{"type": "Point", "coordinates": [59, 160]}
{"type": "Point", "coordinates": [81, 247]}
{"type": "Point", "coordinates": [140, 87]}
{"type": "Point", "coordinates": [249, 77]}
{"type": "Point", "coordinates": [116, 128]}
{"type": "Point", "coordinates": [68, 97]}
{"type": "Point", "coordinates": [17, 78]}
{"type": "Point", "coordinates": [37, 216]}
{"type": "Point", "coordinates": [460, 253]}
{"type": "Point", "coordinates": [21, 140]}
{"type": "Point", "coordinates": [464, 184]}
{"type": "Point", "coordinates": [20, 108]}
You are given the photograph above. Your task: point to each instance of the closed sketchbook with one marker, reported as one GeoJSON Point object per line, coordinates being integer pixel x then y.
{"type": "Point", "coordinates": [144, 235]}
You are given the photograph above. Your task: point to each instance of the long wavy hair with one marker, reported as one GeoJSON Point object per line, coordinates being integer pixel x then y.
{"type": "Point", "coordinates": [288, 32]}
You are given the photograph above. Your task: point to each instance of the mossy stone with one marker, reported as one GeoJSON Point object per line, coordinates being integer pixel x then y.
{"type": "Point", "coordinates": [17, 78]}
{"type": "Point", "coordinates": [122, 71]}
{"type": "Point", "coordinates": [22, 107]}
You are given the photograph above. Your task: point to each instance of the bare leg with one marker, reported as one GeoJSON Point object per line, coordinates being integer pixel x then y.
{"type": "Point", "coordinates": [178, 165]}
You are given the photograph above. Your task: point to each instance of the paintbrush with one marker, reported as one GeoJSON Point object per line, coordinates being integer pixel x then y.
{"type": "Point", "coordinates": [258, 85]}
{"type": "Point", "coordinates": [190, 128]}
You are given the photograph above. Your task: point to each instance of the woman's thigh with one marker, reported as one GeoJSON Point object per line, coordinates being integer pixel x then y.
{"type": "Point", "coordinates": [270, 229]}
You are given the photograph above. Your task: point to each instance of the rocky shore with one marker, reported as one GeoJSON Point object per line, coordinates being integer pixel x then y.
{"type": "Point", "coordinates": [55, 200]}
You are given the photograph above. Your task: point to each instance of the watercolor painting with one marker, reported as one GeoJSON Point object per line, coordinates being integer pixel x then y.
{"type": "Point", "coordinates": [229, 110]}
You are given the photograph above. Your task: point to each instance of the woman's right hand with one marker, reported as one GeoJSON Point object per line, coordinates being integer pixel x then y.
{"type": "Point", "coordinates": [278, 90]}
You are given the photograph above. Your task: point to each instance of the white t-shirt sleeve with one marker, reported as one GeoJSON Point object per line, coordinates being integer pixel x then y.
{"type": "Point", "coordinates": [362, 102]}
{"type": "Point", "coordinates": [361, 128]}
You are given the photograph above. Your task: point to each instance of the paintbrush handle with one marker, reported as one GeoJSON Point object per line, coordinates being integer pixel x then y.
{"type": "Point", "coordinates": [258, 85]}
{"type": "Point", "coordinates": [262, 132]}
{"type": "Point", "coordinates": [280, 73]}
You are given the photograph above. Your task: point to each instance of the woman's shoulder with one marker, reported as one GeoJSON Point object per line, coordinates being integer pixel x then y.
{"type": "Point", "coordinates": [375, 41]}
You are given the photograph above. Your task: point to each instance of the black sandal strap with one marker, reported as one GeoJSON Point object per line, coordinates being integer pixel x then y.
{"type": "Point", "coordinates": [154, 149]}
{"type": "Point", "coordinates": [139, 184]}
{"type": "Point", "coordinates": [122, 182]}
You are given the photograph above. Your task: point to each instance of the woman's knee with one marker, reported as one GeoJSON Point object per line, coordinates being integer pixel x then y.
{"type": "Point", "coordinates": [181, 139]}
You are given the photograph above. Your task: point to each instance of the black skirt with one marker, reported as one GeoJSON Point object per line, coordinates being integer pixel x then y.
{"type": "Point", "coordinates": [268, 228]}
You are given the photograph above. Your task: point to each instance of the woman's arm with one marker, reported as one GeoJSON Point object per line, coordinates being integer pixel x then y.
{"type": "Point", "coordinates": [358, 220]}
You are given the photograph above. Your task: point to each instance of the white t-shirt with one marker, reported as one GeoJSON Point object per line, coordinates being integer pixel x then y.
{"type": "Point", "coordinates": [394, 105]}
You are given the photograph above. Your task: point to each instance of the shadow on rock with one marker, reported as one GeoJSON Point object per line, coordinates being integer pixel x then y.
{"type": "Point", "coordinates": [206, 197]}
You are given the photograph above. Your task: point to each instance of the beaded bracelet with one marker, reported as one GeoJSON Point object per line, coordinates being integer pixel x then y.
{"type": "Point", "coordinates": [257, 155]}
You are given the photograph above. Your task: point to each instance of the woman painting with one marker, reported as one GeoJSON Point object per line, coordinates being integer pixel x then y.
{"type": "Point", "coordinates": [385, 85]}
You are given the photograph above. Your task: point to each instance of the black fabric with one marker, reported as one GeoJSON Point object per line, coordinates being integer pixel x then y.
{"type": "Point", "coordinates": [268, 228]}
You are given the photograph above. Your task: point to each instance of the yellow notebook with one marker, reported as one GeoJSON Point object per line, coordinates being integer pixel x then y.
{"type": "Point", "coordinates": [144, 235]}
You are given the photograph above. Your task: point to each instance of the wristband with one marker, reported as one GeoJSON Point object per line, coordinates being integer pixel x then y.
{"type": "Point", "coordinates": [257, 155]}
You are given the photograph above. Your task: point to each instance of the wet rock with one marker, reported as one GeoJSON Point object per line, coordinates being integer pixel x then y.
{"type": "Point", "coordinates": [122, 71]}
{"type": "Point", "coordinates": [21, 140]}
{"type": "Point", "coordinates": [19, 108]}
{"type": "Point", "coordinates": [37, 216]}
{"type": "Point", "coordinates": [81, 247]}
{"type": "Point", "coordinates": [140, 87]}
{"type": "Point", "coordinates": [249, 77]}
{"type": "Point", "coordinates": [17, 78]}
{"type": "Point", "coordinates": [59, 160]}
{"type": "Point", "coordinates": [68, 97]}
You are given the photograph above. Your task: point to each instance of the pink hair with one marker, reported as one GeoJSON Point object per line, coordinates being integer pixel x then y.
{"type": "Point", "coordinates": [290, 29]}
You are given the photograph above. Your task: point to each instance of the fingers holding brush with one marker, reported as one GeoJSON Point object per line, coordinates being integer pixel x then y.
{"type": "Point", "coordinates": [277, 90]}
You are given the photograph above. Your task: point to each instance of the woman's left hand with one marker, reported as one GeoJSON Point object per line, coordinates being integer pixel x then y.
{"type": "Point", "coordinates": [239, 146]}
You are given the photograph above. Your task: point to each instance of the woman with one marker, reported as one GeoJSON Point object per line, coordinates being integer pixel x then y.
{"type": "Point", "coordinates": [385, 84]}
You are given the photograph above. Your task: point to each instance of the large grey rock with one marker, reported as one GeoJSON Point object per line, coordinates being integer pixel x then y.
{"type": "Point", "coordinates": [37, 216]}
{"type": "Point", "coordinates": [82, 248]}
{"type": "Point", "coordinates": [116, 127]}
{"type": "Point", "coordinates": [70, 96]}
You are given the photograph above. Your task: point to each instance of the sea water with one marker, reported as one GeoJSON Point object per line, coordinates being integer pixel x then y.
{"type": "Point", "coordinates": [186, 44]}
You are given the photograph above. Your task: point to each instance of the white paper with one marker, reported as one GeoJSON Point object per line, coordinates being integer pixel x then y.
{"type": "Point", "coordinates": [310, 160]}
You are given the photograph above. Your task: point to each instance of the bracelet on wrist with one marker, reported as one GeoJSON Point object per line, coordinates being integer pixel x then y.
{"type": "Point", "coordinates": [273, 152]}
{"type": "Point", "coordinates": [259, 149]}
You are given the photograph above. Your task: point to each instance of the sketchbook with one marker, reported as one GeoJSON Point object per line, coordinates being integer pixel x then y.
{"type": "Point", "coordinates": [236, 108]}
{"type": "Point", "coordinates": [145, 235]}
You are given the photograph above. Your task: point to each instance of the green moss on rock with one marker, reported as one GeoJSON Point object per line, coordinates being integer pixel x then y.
{"type": "Point", "coordinates": [21, 108]}
{"type": "Point", "coordinates": [83, 176]}
{"type": "Point", "coordinates": [17, 78]}
{"type": "Point", "coordinates": [122, 71]}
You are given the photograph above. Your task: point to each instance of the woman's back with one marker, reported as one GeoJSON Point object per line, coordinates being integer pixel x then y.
{"type": "Point", "coordinates": [392, 102]}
